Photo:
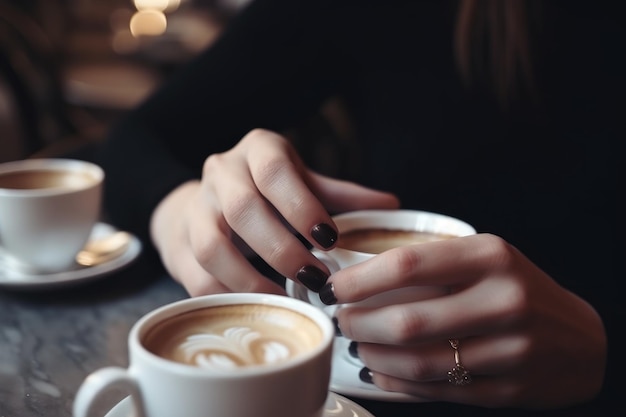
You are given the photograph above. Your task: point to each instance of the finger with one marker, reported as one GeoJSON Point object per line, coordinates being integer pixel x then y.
{"type": "Point", "coordinates": [491, 392]}
{"type": "Point", "coordinates": [226, 264]}
{"type": "Point", "coordinates": [257, 223]}
{"type": "Point", "coordinates": [423, 372]}
{"type": "Point", "coordinates": [481, 356]}
{"type": "Point", "coordinates": [190, 274]}
{"type": "Point", "coordinates": [485, 308]}
{"type": "Point", "coordinates": [452, 262]}
{"type": "Point", "coordinates": [278, 173]}
{"type": "Point", "coordinates": [214, 250]}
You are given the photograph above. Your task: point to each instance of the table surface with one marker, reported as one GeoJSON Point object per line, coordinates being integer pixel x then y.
{"type": "Point", "coordinates": [50, 340]}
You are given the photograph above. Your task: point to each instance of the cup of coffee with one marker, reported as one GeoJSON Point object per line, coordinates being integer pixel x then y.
{"type": "Point", "coordinates": [48, 208]}
{"type": "Point", "coordinates": [367, 233]}
{"type": "Point", "coordinates": [226, 355]}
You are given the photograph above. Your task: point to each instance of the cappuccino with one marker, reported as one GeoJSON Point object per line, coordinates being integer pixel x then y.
{"type": "Point", "coordinates": [378, 240]}
{"type": "Point", "coordinates": [233, 336]}
{"type": "Point", "coordinates": [233, 354]}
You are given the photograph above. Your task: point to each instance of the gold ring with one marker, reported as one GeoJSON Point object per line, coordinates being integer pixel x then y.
{"type": "Point", "coordinates": [458, 376]}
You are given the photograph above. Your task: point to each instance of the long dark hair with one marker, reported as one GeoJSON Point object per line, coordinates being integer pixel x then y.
{"type": "Point", "coordinates": [493, 45]}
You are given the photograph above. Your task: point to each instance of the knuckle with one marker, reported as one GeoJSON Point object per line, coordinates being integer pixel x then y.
{"type": "Point", "coordinates": [212, 164]}
{"type": "Point", "coordinates": [406, 325]}
{"type": "Point", "coordinates": [207, 250]}
{"type": "Point", "coordinates": [421, 369]}
{"type": "Point", "coordinates": [499, 251]}
{"type": "Point", "coordinates": [513, 303]}
{"type": "Point", "coordinates": [276, 252]}
{"type": "Point", "coordinates": [237, 210]}
{"type": "Point", "coordinates": [405, 262]}
{"type": "Point", "coordinates": [261, 137]}
{"type": "Point", "coordinates": [269, 171]}
{"type": "Point", "coordinates": [255, 134]}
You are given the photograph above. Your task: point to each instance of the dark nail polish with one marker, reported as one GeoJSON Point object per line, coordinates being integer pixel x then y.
{"type": "Point", "coordinates": [337, 329]}
{"type": "Point", "coordinates": [312, 277]}
{"type": "Point", "coordinates": [327, 294]}
{"type": "Point", "coordinates": [353, 349]}
{"type": "Point", "coordinates": [324, 235]}
{"type": "Point", "coordinates": [366, 376]}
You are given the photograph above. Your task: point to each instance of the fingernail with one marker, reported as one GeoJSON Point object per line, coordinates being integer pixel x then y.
{"type": "Point", "coordinates": [324, 235]}
{"type": "Point", "coordinates": [366, 376]}
{"type": "Point", "coordinates": [311, 277]}
{"type": "Point", "coordinates": [337, 329]}
{"type": "Point", "coordinates": [327, 294]}
{"type": "Point", "coordinates": [353, 349]}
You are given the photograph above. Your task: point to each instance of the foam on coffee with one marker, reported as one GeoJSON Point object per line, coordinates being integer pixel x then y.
{"type": "Point", "coordinates": [378, 240]}
{"type": "Point", "coordinates": [45, 178]}
{"type": "Point", "coordinates": [233, 336]}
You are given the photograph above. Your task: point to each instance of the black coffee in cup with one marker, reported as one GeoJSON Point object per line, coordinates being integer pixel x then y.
{"type": "Point", "coordinates": [378, 240]}
{"type": "Point", "coordinates": [36, 179]}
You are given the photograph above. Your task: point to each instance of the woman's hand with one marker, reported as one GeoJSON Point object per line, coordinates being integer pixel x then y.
{"type": "Point", "coordinates": [526, 341]}
{"type": "Point", "coordinates": [253, 198]}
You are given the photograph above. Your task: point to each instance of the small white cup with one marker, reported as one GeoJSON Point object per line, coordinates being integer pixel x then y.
{"type": "Point", "coordinates": [162, 387]}
{"type": "Point", "coordinates": [340, 258]}
{"type": "Point", "coordinates": [48, 208]}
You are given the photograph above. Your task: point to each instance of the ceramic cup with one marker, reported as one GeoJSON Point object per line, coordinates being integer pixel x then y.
{"type": "Point", "coordinates": [365, 233]}
{"type": "Point", "coordinates": [223, 355]}
{"type": "Point", "coordinates": [48, 208]}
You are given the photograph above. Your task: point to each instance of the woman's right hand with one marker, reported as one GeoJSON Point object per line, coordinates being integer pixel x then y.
{"type": "Point", "coordinates": [254, 198]}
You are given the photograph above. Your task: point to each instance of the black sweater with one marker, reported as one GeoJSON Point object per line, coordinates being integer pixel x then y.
{"type": "Point", "coordinates": [545, 175]}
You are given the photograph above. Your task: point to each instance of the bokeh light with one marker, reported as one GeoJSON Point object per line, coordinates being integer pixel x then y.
{"type": "Point", "coordinates": [160, 5]}
{"type": "Point", "coordinates": [148, 23]}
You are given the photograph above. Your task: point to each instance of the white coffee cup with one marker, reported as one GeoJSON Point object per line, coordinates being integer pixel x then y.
{"type": "Point", "coordinates": [48, 208]}
{"type": "Point", "coordinates": [215, 331]}
{"type": "Point", "coordinates": [435, 226]}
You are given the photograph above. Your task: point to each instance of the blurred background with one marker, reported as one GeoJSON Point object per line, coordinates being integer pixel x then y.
{"type": "Point", "coordinates": [70, 68]}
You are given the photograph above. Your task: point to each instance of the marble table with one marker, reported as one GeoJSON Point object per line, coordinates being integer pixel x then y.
{"type": "Point", "coordinates": [51, 339]}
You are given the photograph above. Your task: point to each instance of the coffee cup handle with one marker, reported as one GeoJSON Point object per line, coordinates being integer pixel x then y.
{"type": "Point", "coordinates": [102, 381]}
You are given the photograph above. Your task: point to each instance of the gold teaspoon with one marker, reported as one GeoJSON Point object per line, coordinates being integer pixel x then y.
{"type": "Point", "coordinates": [101, 250]}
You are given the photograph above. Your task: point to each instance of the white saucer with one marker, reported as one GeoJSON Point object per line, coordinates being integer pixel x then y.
{"type": "Point", "coordinates": [11, 278]}
{"type": "Point", "coordinates": [344, 377]}
{"type": "Point", "coordinates": [336, 406]}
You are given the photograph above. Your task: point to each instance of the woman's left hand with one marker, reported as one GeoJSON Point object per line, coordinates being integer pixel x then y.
{"type": "Point", "coordinates": [526, 341]}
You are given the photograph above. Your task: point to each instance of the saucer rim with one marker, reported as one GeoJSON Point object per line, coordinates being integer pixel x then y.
{"type": "Point", "coordinates": [73, 276]}
{"type": "Point", "coordinates": [121, 409]}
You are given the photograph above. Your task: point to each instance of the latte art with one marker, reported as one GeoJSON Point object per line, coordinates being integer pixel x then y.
{"type": "Point", "coordinates": [238, 346]}
{"type": "Point", "coordinates": [231, 337]}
